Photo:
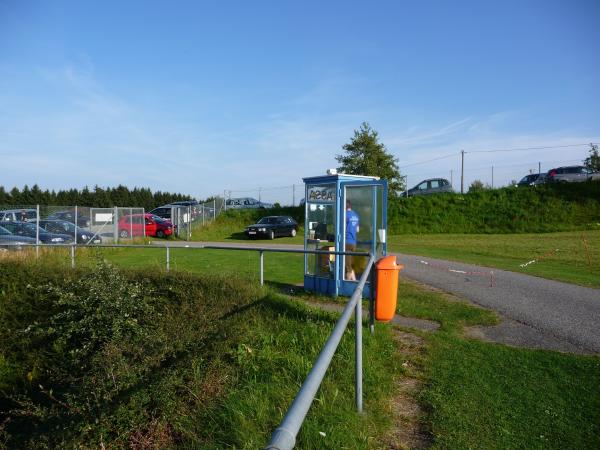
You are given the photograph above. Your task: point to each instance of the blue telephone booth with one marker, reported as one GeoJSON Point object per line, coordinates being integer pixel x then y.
{"type": "Point", "coordinates": [327, 199]}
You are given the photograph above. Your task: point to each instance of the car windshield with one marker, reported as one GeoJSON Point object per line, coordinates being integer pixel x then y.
{"type": "Point", "coordinates": [4, 231]}
{"type": "Point", "coordinates": [267, 220]}
{"type": "Point", "coordinates": [158, 219]}
{"type": "Point", "coordinates": [31, 228]}
{"type": "Point", "coordinates": [64, 226]}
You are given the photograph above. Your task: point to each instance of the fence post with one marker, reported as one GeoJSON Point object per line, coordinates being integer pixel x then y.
{"type": "Point", "coordinates": [214, 208]}
{"type": "Point", "coordinates": [262, 262]}
{"type": "Point", "coordinates": [116, 225]}
{"type": "Point", "coordinates": [73, 256]}
{"type": "Point", "coordinates": [75, 220]}
{"type": "Point", "coordinates": [168, 258]}
{"type": "Point", "coordinates": [37, 231]}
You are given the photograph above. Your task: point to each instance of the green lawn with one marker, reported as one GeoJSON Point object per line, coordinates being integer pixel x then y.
{"type": "Point", "coordinates": [475, 394]}
{"type": "Point", "coordinates": [492, 396]}
{"type": "Point", "coordinates": [573, 257]}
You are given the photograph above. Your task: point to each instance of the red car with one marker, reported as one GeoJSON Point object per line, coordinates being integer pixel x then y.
{"type": "Point", "coordinates": [131, 225]}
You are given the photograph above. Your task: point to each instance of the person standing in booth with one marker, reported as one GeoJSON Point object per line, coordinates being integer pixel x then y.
{"type": "Point", "coordinates": [352, 227]}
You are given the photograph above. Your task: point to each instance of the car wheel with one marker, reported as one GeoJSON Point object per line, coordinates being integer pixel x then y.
{"type": "Point", "coordinates": [293, 233]}
{"type": "Point", "coordinates": [160, 234]}
{"type": "Point", "coordinates": [123, 234]}
{"type": "Point", "coordinates": [271, 235]}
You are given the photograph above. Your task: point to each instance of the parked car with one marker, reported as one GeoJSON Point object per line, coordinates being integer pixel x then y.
{"type": "Point", "coordinates": [273, 226]}
{"type": "Point", "coordinates": [24, 215]}
{"type": "Point", "coordinates": [63, 227]}
{"type": "Point", "coordinates": [13, 242]}
{"type": "Point", "coordinates": [185, 203]}
{"type": "Point", "coordinates": [246, 202]}
{"type": "Point", "coordinates": [570, 174]}
{"type": "Point", "coordinates": [529, 180]}
{"type": "Point", "coordinates": [30, 229]}
{"type": "Point", "coordinates": [134, 225]}
{"type": "Point", "coordinates": [164, 211]}
{"type": "Point", "coordinates": [69, 215]}
{"type": "Point", "coordinates": [430, 186]}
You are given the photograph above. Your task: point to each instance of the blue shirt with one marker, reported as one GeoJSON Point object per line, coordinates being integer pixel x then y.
{"type": "Point", "coordinates": [352, 222]}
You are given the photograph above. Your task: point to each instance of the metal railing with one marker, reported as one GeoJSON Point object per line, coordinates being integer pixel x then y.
{"type": "Point", "coordinates": [284, 436]}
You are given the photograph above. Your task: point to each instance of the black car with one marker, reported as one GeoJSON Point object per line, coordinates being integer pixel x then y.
{"type": "Point", "coordinates": [13, 242]}
{"type": "Point", "coordinates": [273, 226]}
{"type": "Point", "coordinates": [63, 227]}
{"type": "Point", "coordinates": [28, 229]}
{"type": "Point", "coordinates": [163, 211]}
{"type": "Point", "coordinates": [69, 216]}
{"type": "Point", "coordinates": [530, 180]}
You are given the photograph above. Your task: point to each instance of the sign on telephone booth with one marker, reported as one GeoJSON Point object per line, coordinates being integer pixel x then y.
{"type": "Point", "coordinates": [342, 213]}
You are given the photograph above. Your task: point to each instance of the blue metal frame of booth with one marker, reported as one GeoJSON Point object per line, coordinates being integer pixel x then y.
{"type": "Point", "coordinates": [336, 284]}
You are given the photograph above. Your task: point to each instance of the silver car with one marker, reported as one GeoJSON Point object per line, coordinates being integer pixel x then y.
{"type": "Point", "coordinates": [427, 187]}
{"type": "Point", "coordinates": [570, 174]}
{"type": "Point", "coordinates": [246, 202]}
{"type": "Point", "coordinates": [24, 215]}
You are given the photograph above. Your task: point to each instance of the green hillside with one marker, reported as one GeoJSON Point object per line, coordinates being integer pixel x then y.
{"type": "Point", "coordinates": [544, 209]}
{"type": "Point", "coordinates": [547, 208]}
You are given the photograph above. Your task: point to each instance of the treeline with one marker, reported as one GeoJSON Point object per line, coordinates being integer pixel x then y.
{"type": "Point", "coordinates": [98, 197]}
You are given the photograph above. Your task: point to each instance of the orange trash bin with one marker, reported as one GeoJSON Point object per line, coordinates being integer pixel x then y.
{"type": "Point", "coordinates": [386, 291]}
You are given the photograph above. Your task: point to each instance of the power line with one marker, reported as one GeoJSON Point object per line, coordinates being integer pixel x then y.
{"type": "Point", "coordinates": [429, 160]}
{"type": "Point", "coordinates": [524, 149]}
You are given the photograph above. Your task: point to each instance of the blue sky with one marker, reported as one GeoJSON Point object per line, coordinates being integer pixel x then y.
{"type": "Point", "coordinates": [199, 98]}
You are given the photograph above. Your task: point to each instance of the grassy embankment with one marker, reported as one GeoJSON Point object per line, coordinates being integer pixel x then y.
{"type": "Point", "coordinates": [475, 394]}
{"type": "Point", "coordinates": [108, 359]}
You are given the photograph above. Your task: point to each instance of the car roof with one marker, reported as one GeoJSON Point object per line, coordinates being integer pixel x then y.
{"type": "Point", "coordinates": [17, 210]}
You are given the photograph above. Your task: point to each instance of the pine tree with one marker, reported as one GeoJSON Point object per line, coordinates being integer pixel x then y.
{"type": "Point", "coordinates": [365, 155]}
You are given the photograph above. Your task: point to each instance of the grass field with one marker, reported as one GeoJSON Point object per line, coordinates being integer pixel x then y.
{"type": "Point", "coordinates": [475, 394]}
{"type": "Point", "coordinates": [573, 257]}
{"type": "Point", "coordinates": [570, 256]}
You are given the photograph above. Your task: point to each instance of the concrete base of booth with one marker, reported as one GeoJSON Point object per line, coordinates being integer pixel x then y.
{"type": "Point", "coordinates": [327, 286]}
{"type": "Point", "coordinates": [320, 285]}
{"type": "Point", "coordinates": [347, 288]}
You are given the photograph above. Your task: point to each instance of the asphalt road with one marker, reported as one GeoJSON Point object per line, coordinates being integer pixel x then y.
{"type": "Point", "coordinates": [540, 313]}
{"type": "Point", "coordinates": [536, 312]}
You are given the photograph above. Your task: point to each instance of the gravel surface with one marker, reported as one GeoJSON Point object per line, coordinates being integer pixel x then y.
{"type": "Point", "coordinates": [541, 313]}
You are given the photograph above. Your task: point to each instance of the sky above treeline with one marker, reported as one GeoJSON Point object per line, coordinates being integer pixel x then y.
{"type": "Point", "coordinates": [203, 97]}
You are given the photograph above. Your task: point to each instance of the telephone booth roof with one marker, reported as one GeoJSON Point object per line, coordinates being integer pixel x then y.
{"type": "Point", "coordinates": [337, 177]}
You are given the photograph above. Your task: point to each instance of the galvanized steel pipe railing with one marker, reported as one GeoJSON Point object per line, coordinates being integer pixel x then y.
{"type": "Point", "coordinates": [284, 436]}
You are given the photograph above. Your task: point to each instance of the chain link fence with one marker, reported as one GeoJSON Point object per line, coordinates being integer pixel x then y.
{"type": "Point", "coordinates": [290, 195]}
{"type": "Point", "coordinates": [70, 224]}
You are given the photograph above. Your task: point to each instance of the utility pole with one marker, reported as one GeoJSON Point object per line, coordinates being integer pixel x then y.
{"type": "Point", "coordinates": [451, 178]}
{"type": "Point", "coordinates": [293, 195]}
{"type": "Point", "coordinates": [462, 171]}
{"type": "Point", "coordinates": [259, 192]}
{"type": "Point", "coordinates": [492, 177]}
{"type": "Point", "coordinates": [539, 167]}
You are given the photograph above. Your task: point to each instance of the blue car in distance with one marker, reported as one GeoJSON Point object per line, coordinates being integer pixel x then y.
{"type": "Point", "coordinates": [29, 229]}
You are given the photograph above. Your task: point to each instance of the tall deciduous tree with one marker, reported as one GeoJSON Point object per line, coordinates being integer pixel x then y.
{"type": "Point", "coordinates": [365, 155]}
{"type": "Point", "coordinates": [593, 161]}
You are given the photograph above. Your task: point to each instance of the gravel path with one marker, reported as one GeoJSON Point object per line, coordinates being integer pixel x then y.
{"type": "Point", "coordinates": [536, 312]}
{"type": "Point", "coordinates": [540, 313]}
